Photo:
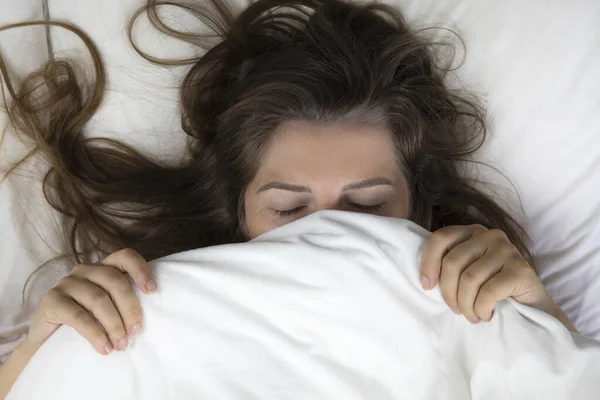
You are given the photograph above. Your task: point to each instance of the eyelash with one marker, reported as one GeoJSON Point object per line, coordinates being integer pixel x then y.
{"type": "Point", "coordinates": [294, 211]}
{"type": "Point", "coordinates": [289, 213]}
{"type": "Point", "coordinates": [374, 208]}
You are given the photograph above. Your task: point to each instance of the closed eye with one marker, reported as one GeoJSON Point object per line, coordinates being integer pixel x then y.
{"type": "Point", "coordinates": [363, 208]}
{"type": "Point", "coordinates": [289, 213]}
{"type": "Point", "coordinates": [358, 207]}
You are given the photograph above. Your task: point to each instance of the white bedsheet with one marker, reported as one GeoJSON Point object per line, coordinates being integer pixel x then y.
{"type": "Point", "coordinates": [328, 307]}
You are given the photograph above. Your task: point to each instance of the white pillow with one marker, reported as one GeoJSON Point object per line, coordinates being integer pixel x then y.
{"type": "Point", "coordinates": [141, 104]}
{"type": "Point", "coordinates": [327, 307]}
{"type": "Point", "coordinates": [23, 49]}
{"type": "Point", "coordinates": [536, 63]}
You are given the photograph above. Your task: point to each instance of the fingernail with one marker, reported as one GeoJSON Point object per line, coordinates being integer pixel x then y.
{"type": "Point", "coordinates": [455, 310]}
{"type": "Point", "coordinates": [425, 282]}
{"type": "Point", "coordinates": [107, 349]}
{"type": "Point", "coordinates": [135, 330]}
{"type": "Point", "coordinates": [474, 321]}
{"type": "Point", "coordinates": [151, 286]}
{"type": "Point", "coordinates": [122, 344]}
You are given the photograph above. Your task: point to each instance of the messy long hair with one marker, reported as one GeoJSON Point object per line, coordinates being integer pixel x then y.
{"type": "Point", "coordinates": [277, 60]}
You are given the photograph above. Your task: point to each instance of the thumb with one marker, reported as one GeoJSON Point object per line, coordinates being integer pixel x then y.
{"type": "Point", "coordinates": [430, 265]}
{"type": "Point", "coordinates": [132, 263]}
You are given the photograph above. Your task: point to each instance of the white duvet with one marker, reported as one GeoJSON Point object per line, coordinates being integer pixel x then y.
{"type": "Point", "coordinates": [328, 307]}
{"type": "Point", "coordinates": [535, 63]}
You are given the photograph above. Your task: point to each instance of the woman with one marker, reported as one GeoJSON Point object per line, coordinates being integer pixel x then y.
{"type": "Point", "coordinates": [300, 106]}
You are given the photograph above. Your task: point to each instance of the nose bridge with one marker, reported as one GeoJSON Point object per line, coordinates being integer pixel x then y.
{"type": "Point", "coordinates": [328, 202]}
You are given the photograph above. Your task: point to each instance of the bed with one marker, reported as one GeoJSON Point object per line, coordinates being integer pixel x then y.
{"type": "Point", "coordinates": [535, 64]}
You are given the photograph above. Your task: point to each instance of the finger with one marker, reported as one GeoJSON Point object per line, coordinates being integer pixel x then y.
{"type": "Point", "coordinates": [473, 278]}
{"type": "Point", "coordinates": [510, 281]}
{"type": "Point", "coordinates": [121, 292]}
{"type": "Point", "coordinates": [135, 265]}
{"type": "Point", "coordinates": [97, 302]}
{"type": "Point", "coordinates": [455, 263]}
{"type": "Point", "coordinates": [68, 312]}
{"type": "Point", "coordinates": [436, 247]}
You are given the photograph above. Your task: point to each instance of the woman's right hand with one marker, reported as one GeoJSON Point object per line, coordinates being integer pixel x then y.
{"type": "Point", "coordinates": [98, 301]}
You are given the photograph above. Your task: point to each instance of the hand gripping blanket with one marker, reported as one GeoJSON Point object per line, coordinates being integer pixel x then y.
{"type": "Point", "coordinates": [327, 307]}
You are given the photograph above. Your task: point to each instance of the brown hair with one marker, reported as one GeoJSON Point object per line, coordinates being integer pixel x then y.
{"type": "Point", "coordinates": [278, 60]}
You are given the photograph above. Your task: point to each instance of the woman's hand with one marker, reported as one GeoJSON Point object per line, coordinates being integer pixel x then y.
{"type": "Point", "coordinates": [476, 268]}
{"type": "Point", "coordinates": [98, 301]}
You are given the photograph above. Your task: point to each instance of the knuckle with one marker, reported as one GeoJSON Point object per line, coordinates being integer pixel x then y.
{"type": "Point", "coordinates": [498, 235]}
{"type": "Point", "coordinates": [508, 251]}
{"type": "Point", "coordinates": [520, 268]}
{"type": "Point", "coordinates": [128, 253]}
{"type": "Point", "coordinates": [451, 261]}
{"type": "Point", "coordinates": [66, 281]}
{"type": "Point", "coordinates": [468, 277]}
{"type": "Point", "coordinates": [115, 276]}
{"type": "Point", "coordinates": [100, 298]}
{"type": "Point", "coordinates": [486, 292]}
{"type": "Point", "coordinates": [441, 235]}
{"type": "Point", "coordinates": [479, 228]}
{"type": "Point", "coordinates": [82, 316]}
{"type": "Point", "coordinates": [51, 300]}
{"type": "Point", "coordinates": [111, 272]}
{"type": "Point", "coordinates": [79, 269]}
{"type": "Point", "coordinates": [121, 285]}
{"type": "Point", "coordinates": [53, 294]}
{"type": "Point", "coordinates": [525, 271]}
{"type": "Point", "coordinates": [524, 265]}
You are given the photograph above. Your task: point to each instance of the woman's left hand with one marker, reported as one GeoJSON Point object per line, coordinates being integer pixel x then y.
{"type": "Point", "coordinates": [477, 267]}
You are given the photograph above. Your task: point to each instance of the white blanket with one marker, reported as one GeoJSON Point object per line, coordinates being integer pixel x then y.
{"type": "Point", "coordinates": [328, 307]}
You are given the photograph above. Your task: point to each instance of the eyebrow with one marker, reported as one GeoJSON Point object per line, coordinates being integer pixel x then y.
{"type": "Point", "coordinates": [304, 189]}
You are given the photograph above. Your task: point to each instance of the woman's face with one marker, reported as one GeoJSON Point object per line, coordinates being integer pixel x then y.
{"type": "Point", "coordinates": [309, 167]}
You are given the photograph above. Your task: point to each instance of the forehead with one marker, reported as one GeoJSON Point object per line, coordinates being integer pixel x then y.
{"type": "Point", "coordinates": [309, 148]}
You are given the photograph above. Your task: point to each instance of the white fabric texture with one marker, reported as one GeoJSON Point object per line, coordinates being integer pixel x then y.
{"type": "Point", "coordinates": [328, 307]}
{"type": "Point", "coordinates": [536, 64]}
